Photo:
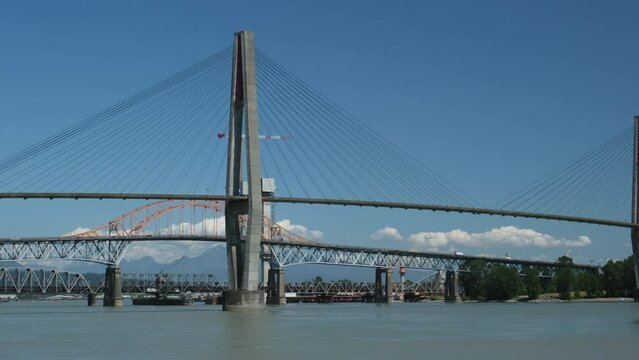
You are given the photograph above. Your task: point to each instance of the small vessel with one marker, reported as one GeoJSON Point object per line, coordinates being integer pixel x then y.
{"type": "Point", "coordinates": [164, 293]}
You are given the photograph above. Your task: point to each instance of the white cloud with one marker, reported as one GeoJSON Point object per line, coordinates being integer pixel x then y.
{"type": "Point", "coordinates": [502, 236]}
{"type": "Point", "coordinates": [165, 252]}
{"type": "Point", "coordinates": [211, 226]}
{"type": "Point", "coordinates": [387, 233]}
{"type": "Point", "coordinates": [77, 231]}
{"type": "Point", "coordinates": [542, 257]}
{"type": "Point", "coordinates": [300, 230]}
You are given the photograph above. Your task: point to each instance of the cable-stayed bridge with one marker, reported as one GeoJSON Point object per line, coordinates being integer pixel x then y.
{"type": "Point", "coordinates": [161, 144]}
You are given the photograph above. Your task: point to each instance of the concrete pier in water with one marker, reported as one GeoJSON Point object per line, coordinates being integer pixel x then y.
{"type": "Point", "coordinates": [452, 290]}
{"type": "Point", "coordinates": [276, 293]}
{"type": "Point", "coordinates": [383, 285]}
{"type": "Point", "coordinates": [113, 286]}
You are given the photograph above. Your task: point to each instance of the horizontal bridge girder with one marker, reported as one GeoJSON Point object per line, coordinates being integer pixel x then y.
{"type": "Point", "coordinates": [360, 203]}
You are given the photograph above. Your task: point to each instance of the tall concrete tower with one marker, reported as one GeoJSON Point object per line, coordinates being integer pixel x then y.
{"type": "Point", "coordinates": [634, 232]}
{"type": "Point", "coordinates": [243, 252]}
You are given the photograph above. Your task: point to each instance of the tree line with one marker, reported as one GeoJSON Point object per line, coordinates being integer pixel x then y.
{"type": "Point", "coordinates": [500, 282]}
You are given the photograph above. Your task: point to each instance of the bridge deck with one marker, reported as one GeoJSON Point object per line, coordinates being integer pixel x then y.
{"type": "Point", "coordinates": [360, 203]}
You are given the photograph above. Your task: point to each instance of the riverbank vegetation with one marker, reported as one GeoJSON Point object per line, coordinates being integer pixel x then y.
{"type": "Point", "coordinates": [500, 283]}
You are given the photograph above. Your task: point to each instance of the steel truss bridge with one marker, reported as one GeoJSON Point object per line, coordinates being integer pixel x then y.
{"type": "Point", "coordinates": [109, 250]}
{"type": "Point", "coordinates": [52, 281]}
{"type": "Point", "coordinates": [297, 254]}
{"type": "Point", "coordinates": [42, 281]}
{"type": "Point", "coordinates": [431, 286]}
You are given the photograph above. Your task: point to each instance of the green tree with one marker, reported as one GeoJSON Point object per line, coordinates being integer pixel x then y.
{"type": "Point", "coordinates": [549, 285]}
{"type": "Point", "coordinates": [629, 278]}
{"type": "Point", "coordinates": [619, 277]}
{"type": "Point", "coordinates": [564, 278]}
{"type": "Point", "coordinates": [501, 283]}
{"type": "Point", "coordinates": [590, 283]}
{"type": "Point", "coordinates": [532, 283]}
{"type": "Point", "coordinates": [472, 281]}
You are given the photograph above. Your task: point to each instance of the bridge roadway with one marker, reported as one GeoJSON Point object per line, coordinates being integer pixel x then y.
{"type": "Point", "coordinates": [292, 200]}
{"type": "Point", "coordinates": [109, 251]}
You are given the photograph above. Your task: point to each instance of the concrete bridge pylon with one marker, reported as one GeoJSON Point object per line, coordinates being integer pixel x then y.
{"type": "Point", "coordinates": [634, 232]}
{"type": "Point", "coordinates": [243, 251]}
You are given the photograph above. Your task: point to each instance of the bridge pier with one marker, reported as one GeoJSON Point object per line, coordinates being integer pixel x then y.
{"type": "Point", "coordinates": [451, 293]}
{"type": "Point", "coordinates": [240, 299]}
{"type": "Point", "coordinates": [91, 299]}
{"type": "Point", "coordinates": [635, 257]}
{"type": "Point", "coordinates": [383, 285]}
{"type": "Point", "coordinates": [634, 215]}
{"type": "Point", "coordinates": [113, 286]}
{"type": "Point", "coordinates": [402, 280]}
{"type": "Point", "coordinates": [276, 293]}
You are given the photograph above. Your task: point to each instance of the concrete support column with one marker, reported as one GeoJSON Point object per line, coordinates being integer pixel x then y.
{"type": "Point", "coordinates": [634, 216]}
{"type": "Point", "coordinates": [113, 286]}
{"type": "Point", "coordinates": [276, 294]}
{"type": "Point", "coordinates": [635, 256]}
{"type": "Point", "coordinates": [383, 285]}
{"type": "Point", "coordinates": [266, 269]}
{"type": "Point", "coordinates": [91, 299]}
{"type": "Point", "coordinates": [452, 287]}
{"type": "Point", "coordinates": [244, 251]}
{"type": "Point", "coordinates": [379, 291]}
{"type": "Point", "coordinates": [389, 286]}
{"type": "Point", "coordinates": [402, 280]}
{"type": "Point", "coordinates": [281, 287]}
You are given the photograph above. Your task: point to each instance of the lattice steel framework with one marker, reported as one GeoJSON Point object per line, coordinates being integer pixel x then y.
{"type": "Point", "coordinates": [431, 286]}
{"type": "Point", "coordinates": [102, 251]}
{"type": "Point", "coordinates": [295, 254]}
{"type": "Point", "coordinates": [282, 254]}
{"type": "Point", "coordinates": [197, 283]}
{"type": "Point", "coordinates": [42, 281]}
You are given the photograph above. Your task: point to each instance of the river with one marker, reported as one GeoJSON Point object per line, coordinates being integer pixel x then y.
{"type": "Point", "coordinates": [71, 330]}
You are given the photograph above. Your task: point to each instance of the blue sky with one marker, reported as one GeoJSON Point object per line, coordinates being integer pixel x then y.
{"type": "Point", "coordinates": [490, 94]}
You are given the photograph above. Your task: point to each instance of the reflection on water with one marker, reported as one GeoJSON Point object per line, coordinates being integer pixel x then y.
{"type": "Point", "coordinates": [70, 330]}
